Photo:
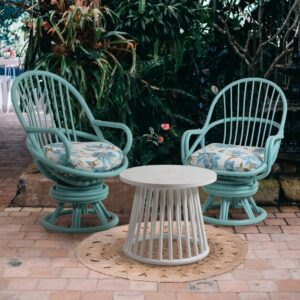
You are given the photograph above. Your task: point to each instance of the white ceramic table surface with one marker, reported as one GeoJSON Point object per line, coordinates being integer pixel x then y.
{"type": "Point", "coordinates": [168, 176]}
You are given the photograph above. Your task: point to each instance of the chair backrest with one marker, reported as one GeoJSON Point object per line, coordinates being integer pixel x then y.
{"type": "Point", "coordinates": [247, 112]}
{"type": "Point", "coordinates": [49, 101]}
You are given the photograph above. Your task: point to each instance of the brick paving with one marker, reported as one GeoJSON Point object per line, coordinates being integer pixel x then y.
{"type": "Point", "coordinates": [14, 156]}
{"type": "Point", "coordinates": [37, 264]}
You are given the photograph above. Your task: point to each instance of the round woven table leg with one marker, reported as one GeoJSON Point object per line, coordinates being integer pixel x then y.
{"type": "Point", "coordinates": [164, 218]}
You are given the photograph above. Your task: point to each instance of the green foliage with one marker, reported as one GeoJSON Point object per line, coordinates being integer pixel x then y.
{"type": "Point", "coordinates": [148, 62]}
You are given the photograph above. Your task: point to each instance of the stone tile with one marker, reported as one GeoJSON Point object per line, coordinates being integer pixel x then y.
{"type": "Point", "coordinates": [246, 229]}
{"type": "Point", "coordinates": [135, 285]}
{"type": "Point", "coordinates": [290, 229]}
{"type": "Point", "coordinates": [285, 215]}
{"type": "Point", "coordinates": [16, 272]}
{"type": "Point", "coordinates": [33, 228]}
{"type": "Point", "coordinates": [287, 237]}
{"type": "Point", "coordinates": [222, 296]}
{"type": "Point", "coordinates": [9, 236]}
{"type": "Point", "coordinates": [237, 286]}
{"type": "Point", "coordinates": [69, 295]}
{"type": "Point", "coordinates": [37, 262]}
{"type": "Point", "coordinates": [294, 245]}
{"type": "Point", "coordinates": [172, 287]}
{"type": "Point", "coordinates": [46, 244]}
{"type": "Point", "coordinates": [52, 284]}
{"type": "Point", "coordinates": [269, 229]}
{"type": "Point", "coordinates": [273, 222]}
{"type": "Point", "coordinates": [191, 296]}
{"type": "Point", "coordinates": [253, 296]}
{"type": "Point", "coordinates": [258, 237]}
{"type": "Point", "coordinates": [22, 284]}
{"type": "Point", "coordinates": [203, 286]}
{"type": "Point", "coordinates": [82, 284]}
{"type": "Point", "coordinates": [161, 295]}
{"type": "Point", "coordinates": [24, 295]}
{"type": "Point", "coordinates": [112, 284]}
{"type": "Point", "coordinates": [288, 209]}
{"type": "Point", "coordinates": [96, 296]}
{"type": "Point", "coordinates": [252, 274]}
{"type": "Point", "coordinates": [274, 245]}
{"type": "Point", "coordinates": [45, 272]}
{"type": "Point", "coordinates": [74, 273]}
{"type": "Point", "coordinates": [293, 221]}
{"type": "Point", "coordinates": [20, 243]}
{"type": "Point", "coordinates": [289, 285]}
{"type": "Point", "coordinates": [10, 228]}
{"type": "Point", "coordinates": [267, 253]}
{"type": "Point", "coordinates": [276, 274]}
{"type": "Point", "coordinates": [284, 296]}
{"type": "Point", "coordinates": [29, 252]}
{"type": "Point", "coordinates": [284, 263]}
{"type": "Point", "coordinates": [64, 262]}
{"type": "Point", "coordinates": [128, 296]}
{"type": "Point", "coordinates": [49, 252]}
{"type": "Point", "coordinates": [289, 253]}
{"type": "Point", "coordinates": [262, 286]}
{"type": "Point", "coordinates": [257, 264]}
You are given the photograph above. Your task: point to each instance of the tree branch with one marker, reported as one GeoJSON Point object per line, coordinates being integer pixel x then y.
{"type": "Point", "coordinates": [279, 31]}
{"type": "Point", "coordinates": [276, 60]}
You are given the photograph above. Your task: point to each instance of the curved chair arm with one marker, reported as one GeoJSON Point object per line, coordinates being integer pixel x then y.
{"type": "Point", "coordinates": [186, 150]}
{"type": "Point", "coordinates": [117, 126]}
{"type": "Point", "coordinates": [271, 149]}
{"type": "Point", "coordinates": [59, 134]}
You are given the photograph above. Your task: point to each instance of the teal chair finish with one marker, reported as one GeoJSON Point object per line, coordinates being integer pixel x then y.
{"type": "Point", "coordinates": [246, 124]}
{"type": "Point", "coordinates": [76, 161]}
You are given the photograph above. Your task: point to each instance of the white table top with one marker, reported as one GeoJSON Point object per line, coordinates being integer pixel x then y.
{"type": "Point", "coordinates": [168, 176]}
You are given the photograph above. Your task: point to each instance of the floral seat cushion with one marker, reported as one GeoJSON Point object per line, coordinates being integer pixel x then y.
{"type": "Point", "coordinates": [87, 156]}
{"type": "Point", "coordinates": [224, 157]}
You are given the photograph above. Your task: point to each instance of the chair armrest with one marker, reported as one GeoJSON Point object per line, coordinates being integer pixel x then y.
{"type": "Point", "coordinates": [117, 126]}
{"type": "Point", "coordinates": [186, 150]}
{"type": "Point", "coordinates": [59, 134]}
{"type": "Point", "coordinates": [271, 149]}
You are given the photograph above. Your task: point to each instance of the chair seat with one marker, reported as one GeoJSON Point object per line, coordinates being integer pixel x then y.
{"type": "Point", "coordinates": [87, 156]}
{"type": "Point", "coordinates": [224, 157]}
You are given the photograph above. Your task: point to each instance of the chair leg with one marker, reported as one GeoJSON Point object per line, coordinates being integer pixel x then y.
{"type": "Point", "coordinates": [233, 195]}
{"type": "Point", "coordinates": [224, 209]}
{"type": "Point", "coordinates": [80, 199]}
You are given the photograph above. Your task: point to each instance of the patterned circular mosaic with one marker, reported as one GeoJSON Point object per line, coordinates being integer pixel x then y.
{"type": "Point", "coordinates": [103, 252]}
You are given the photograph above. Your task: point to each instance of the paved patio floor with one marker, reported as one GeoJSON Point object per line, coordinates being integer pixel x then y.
{"type": "Point", "coordinates": [36, 264]}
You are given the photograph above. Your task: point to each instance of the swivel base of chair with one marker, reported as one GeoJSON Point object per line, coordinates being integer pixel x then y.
{"type": "Point", "coordinates": [229, 194]}
{"type": "Point", "coordinates": [77, 202]}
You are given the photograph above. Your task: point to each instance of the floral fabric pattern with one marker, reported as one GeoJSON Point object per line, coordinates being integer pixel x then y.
{"type": "Point", "coordinates": [224, 157]}
{"type": "Point", "coordinates": [87, 156]}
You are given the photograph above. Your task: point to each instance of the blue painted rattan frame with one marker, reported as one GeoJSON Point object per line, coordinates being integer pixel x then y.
{"type": "Point", "coordinates": [235, 189]}
{"type": "Point", "coordinates": [84, 190]}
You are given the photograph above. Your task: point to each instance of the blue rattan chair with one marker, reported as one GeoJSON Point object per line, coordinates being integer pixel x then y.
{"type": "Point", "coordinates": [76, 161]}
{"type": "Point", "coordinates": [240, 141]}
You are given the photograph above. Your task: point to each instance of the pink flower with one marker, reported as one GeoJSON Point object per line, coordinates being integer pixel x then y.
{"type": "Point", "coordinates": [165, 126]}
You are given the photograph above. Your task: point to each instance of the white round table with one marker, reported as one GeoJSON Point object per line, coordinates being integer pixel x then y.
{"type": "Point", "coordinates": [166, 224]}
